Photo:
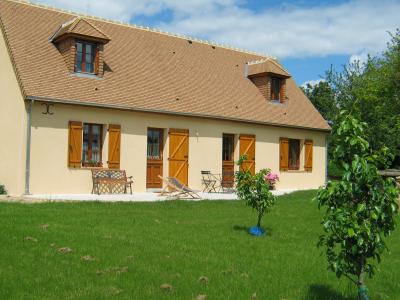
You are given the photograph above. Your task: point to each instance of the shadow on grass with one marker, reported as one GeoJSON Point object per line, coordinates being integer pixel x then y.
{"type": "Point", "coordinates": [320, 291]}
{"type": "Point", "coordinates": [268, 231]}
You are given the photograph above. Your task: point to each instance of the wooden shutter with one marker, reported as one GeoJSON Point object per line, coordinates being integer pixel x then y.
{"type": "Point", "coordinates": [114, 146]}
{"type": "Point", "coordinates": [74, 144]}
{"type": "Point", "coordinates": [308, 161]}
{"type": "Point", "coordinates": [247, 146]}
{"type": "Point", "coordinates": [282, 95]}
{"type": "Point", "coordinates": [179, 154]}
{"type": "Point", "coordinates": [284, 154]}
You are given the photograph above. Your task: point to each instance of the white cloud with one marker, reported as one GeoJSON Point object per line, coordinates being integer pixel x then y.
{"type": "Point", "coordinates": [353, 28]}
{"type": "Point", "coordinates": [312, 82]}
{"type": "Point", "coordinates": [360, 57]}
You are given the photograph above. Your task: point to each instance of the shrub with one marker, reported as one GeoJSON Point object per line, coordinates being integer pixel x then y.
{"type": "Point", "coordinates": [360, 208]}
{"type": "Point", "coordinates": [255, 190]}
{"type": "Point", "coordinates": [3, 190]}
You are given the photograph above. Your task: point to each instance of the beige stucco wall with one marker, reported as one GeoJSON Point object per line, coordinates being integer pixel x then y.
{"type": "Point", "coordinates": [50, 174]}
{"type": "Point", "coordinates": [12, 126]}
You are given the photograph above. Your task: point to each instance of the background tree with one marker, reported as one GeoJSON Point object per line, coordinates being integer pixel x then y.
{"type": "Point", "coordinates": [372, 91]}
{"type": "Point", "coordinates": [360, 208]}
{"type": "Point", "coordinates": [323, 98]}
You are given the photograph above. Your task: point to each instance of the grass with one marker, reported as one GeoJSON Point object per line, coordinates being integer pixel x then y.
{"type": "Point", "coordinates": [137, 247]}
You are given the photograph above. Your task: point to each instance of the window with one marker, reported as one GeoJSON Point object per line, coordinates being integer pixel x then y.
{"type": "Point", "coordinates": [85, 59]}
{"type": "Point", "coordinates": [276, 84]}
{"type": "Point", "coordinates": [227, 147]}
{"type": "Point", "coordinates": [154, 143]}
{"type": "Point", "coordinates": [289, 154]}
{"type": "Point", "coordinates": [294, 154]}
{"type": "Point", "coordinates": [92, 145]}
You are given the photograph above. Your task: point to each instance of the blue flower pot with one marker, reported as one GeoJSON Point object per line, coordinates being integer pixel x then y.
{"type": "Point", "coordinates": [257, 231]}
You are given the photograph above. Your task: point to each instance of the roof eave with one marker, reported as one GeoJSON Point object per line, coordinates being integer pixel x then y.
{"type": "Point", "coordinates": [159, 111]}
{"type": "Point", "coordinates": [59, 38]}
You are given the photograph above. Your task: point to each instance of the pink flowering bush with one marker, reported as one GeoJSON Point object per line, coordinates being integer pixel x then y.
{"type": "Point", "coordinates": [271, 179]}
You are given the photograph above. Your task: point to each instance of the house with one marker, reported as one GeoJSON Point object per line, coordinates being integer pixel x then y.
{"type": "Point", "coordinates": [79, 92]}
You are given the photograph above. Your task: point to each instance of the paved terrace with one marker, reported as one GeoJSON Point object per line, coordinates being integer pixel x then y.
{"type": "Point", "coordinates": [135, 197]}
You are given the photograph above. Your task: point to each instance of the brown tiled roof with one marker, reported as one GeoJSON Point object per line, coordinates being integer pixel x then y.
{"type": "Point", "coordinates": [147, 71]}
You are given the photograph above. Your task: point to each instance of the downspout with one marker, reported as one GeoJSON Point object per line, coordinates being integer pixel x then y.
{"type": "Point", "coordinates": [326, 158]}
{"type": "Point", "coordinates": [28, 147]}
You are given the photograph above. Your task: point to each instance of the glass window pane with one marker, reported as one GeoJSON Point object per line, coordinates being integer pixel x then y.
{"type": "Point", "coordinates": [79, 57]}
{"type": "Point", "coordinates": [275, 88]}
{"type": "Point", "coordinates": [79, 47]}
{"type": "Point", "coordinates": [227, 147]}
{"type": "Point", "coordinates": [95, 143]}
{"type": "Point", "coordinates": [294, 154]}
{"type": "Point", "coordinates": [85, 57]}
{"type": "Point", "coordinates": [153, 144]}
{"type": "Point", "coordinates": [89, 48]}
{"type": "Point", "coordinates": [85, 144]}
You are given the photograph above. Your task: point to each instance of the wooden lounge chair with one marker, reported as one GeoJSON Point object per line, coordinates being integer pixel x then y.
{"type": "Point", "coordinates": [175, 188]}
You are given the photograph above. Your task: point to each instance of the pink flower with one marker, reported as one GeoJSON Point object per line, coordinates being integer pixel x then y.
{"type": "Point", "coordinates": [271, 177]}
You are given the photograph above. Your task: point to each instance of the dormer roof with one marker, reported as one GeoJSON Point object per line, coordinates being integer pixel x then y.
{"type": "Point", "coordinates": [81, 28]}
{"type": "Point", "coordinates": [266, 66]}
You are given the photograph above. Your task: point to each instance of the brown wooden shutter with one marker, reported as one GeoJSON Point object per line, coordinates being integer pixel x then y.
{"type": "Point", "coordinates": [308, 161]}
{"type": "Point", "coordinates": [284, 154]}
{"type": "Point", "coordinates": [282, 95]}
{"type": "Point", "coordinates": [75, 144]}
{"type": "Point", "coordinates": [114, 146]}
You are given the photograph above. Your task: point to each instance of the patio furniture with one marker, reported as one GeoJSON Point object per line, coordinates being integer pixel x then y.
{"type": "Point", "coordinates": [175, 188]}
{"type": "Point", "coordinates": [107, 181]}
{"type": "Point", "coordinates": [208, 181]}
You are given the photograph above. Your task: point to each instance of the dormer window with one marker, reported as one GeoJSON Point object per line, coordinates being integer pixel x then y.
{"type": "Point", "coordinates": [276, 86]}
{"type": "Point", "coordinates": [81, 43]}
{"type": "Point", "coordinates": [86, 58]}
{"type": "Point", "coordinates": [270, 78]}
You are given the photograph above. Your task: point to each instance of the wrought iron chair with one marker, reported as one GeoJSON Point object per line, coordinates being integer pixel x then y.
{"type": "Point", "coordinates": [208, 181]}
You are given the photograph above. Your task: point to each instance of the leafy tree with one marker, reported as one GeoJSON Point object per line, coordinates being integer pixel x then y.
{"type": "Point", "coordinates": [372, 91]}
{"type": "Point", "coordinates": [360, 208]}
{"type": "Point", "coordinates": [254, 190]}
{"type": "Point", "coordinates": [323, 98]}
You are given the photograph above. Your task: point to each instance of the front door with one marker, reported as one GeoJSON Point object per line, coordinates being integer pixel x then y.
{"type": "Point", "coordinates": [154, 157]}
{"type": "Point", "coordinates": [248, 147]}
{"type": "Point", "coordinates": [228, 164]}
{"type": "Point", "coordinates": [179, 154]}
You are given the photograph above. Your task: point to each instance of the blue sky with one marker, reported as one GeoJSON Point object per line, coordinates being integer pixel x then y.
{"type": "Point", "coordinates": [306, 36]}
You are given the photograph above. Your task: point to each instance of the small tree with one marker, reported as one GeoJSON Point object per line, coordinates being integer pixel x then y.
{"type": "Point", "coordinates": [360, 208]}
{"type": "Point", "coordinates": [254, 190]}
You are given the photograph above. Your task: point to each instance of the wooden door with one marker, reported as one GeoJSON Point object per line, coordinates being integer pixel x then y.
{"type": "Point", "coordinates": [228, 164]}
{"type": "Point", "coordinates": [179, 154]}
{"type": "Point", "coordinates": [154, 157]}
{"type": "Point", "coordinates": [248, 147]}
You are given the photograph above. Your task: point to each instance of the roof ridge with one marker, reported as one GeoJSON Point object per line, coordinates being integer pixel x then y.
{"type": "Point", "coordinates": [153, 30]}
{"type": "Point", "coordinates": [73, 23]}
{"type": "Point", "coordinates": [90, 24]}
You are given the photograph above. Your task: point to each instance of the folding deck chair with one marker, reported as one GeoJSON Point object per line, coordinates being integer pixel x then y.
{"type": "Point", "coordinates": [175, 188]}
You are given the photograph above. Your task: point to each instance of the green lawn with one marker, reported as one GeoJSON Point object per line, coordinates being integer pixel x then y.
{"type": "Point", "coordinates": [139, 246]}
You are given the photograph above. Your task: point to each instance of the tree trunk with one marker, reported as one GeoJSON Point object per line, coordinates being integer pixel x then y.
{"type": "Point", "coordinates": [259, 220]}
{"type": "Point", "coordinates": [362, 289]}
